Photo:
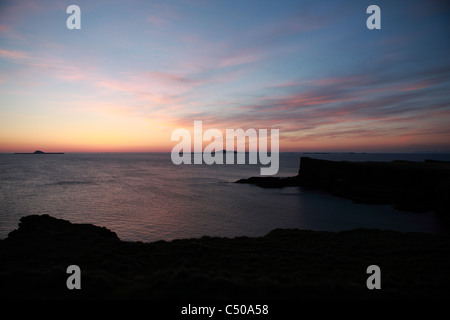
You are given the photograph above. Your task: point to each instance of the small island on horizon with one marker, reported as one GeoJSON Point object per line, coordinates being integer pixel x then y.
{"type": "Point", "coordinates": [39, 152]}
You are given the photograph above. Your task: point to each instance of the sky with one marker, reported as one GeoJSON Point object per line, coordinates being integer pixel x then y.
{"type": "Point", "coordinates": [138, 70]}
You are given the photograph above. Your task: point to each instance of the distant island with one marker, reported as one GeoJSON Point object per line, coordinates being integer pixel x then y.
{"type": "Point", "coordinates": [39, 152]}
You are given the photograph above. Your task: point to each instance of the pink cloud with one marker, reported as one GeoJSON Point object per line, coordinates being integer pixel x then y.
{"type": "Point", "coordinates": [156, 21]}
{"type": "Point", "coordinates": [162, 15]}
{"type": "Point", "coordinates": [13, 55]}
{"type": "Point", "coordinates": [302, 100]}
{"type": "Point", "coordinates": [4, 29]}
{"type": "Point", "coordinates": [51, 67]}
{"type": "Point", "coordinates": [341, 81]}
{"type": "Point", "coordinates": [138, 89]}
{"type": "Point", "coordinates": [416, 86]}
{"type": "Point", "coordinates": [240, 58]}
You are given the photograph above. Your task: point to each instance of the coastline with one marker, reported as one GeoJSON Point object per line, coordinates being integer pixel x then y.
{"type": "Point", "coordinates": [287, 264]}
{"type": "Point", "coordinates": [405, 185]}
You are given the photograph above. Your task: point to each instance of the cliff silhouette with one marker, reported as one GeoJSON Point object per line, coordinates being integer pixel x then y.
{"type": "Point", "coordinates": [406, 185]}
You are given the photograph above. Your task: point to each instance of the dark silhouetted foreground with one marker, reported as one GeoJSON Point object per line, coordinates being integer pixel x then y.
{"type": "Point", "coordinates": [285, 264]}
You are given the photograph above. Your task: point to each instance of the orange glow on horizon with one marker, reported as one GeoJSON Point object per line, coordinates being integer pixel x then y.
{"type": "Point", "coordinates": [160, 141]}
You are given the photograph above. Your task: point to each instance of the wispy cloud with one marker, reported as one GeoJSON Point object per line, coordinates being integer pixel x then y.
{"type": "Point", "coordinates": [162, 16]}
{"type": "Point", "coordinates": [49, 66]}
{"type": "Point", "coordinates": [359, 105]}
{"type": "Point", "coordinates": [14, 55]}
{"type": "Point", "coordinates": [310, 69]}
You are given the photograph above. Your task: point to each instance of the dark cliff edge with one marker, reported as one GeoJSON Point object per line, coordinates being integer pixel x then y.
{"type": "Point", "coordinates": [285, 264]}
{"type": "Point", "coordinates": [410, 186]}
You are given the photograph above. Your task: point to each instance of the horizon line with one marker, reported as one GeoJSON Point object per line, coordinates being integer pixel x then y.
{"type": "Point", "coordinates": [304, 152]}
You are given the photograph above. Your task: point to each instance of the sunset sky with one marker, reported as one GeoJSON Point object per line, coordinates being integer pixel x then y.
{"type": "Point", "coordinates": [137, 70]}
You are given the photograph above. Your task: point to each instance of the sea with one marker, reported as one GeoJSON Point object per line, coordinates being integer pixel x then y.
{"type": "Point", "coordinates": [145, 197]}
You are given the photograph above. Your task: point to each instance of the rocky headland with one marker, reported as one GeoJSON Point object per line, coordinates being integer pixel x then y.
{"type": "Point", "coordinates": [409, 186]}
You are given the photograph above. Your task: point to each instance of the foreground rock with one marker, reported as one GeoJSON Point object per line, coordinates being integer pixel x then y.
{"type": "Point", "coordinates": [285, 264]}
{"type": "Point", "coordinates": [46, 228]}
{"type": "Point", "coordinates": [409, 186]}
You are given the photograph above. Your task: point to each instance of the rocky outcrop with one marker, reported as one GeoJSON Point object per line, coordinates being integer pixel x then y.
{"type": "Point", "coordinates": [410, 186]}
{"type": "Point", "coordinates": [271, 182]}
{"type": "Point", "coordinates": [45, 227]}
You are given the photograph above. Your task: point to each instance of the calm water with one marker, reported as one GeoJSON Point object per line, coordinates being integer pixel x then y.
{"type": "Point", "coordinates": [144, 197]}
